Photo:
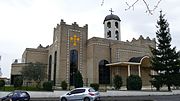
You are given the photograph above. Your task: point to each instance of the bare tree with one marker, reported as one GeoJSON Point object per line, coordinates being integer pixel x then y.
{"type": "Point", "coordinates": [148, 9]}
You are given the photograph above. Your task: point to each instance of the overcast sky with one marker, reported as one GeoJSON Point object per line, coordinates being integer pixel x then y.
{"type": "Point", "coordinates": [28, 23]}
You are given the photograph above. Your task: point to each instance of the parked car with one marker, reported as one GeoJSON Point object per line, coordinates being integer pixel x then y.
{"type": "Point", "coordinates": [17, 96]}
{"type": "Point", "coordinates": [84, 94]}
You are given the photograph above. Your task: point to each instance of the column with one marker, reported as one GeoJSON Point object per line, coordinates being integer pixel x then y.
{"type": "Point", "coordinates": [139, 70]}
{"type": "Point", "coordinates": [129, 71]}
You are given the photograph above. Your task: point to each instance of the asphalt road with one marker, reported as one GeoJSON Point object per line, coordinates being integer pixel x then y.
{"type": "Point", "coordinates": [125, 98]}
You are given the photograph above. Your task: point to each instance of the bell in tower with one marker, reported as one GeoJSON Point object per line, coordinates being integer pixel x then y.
{"type": "Point", "coordinates": [112, 27]}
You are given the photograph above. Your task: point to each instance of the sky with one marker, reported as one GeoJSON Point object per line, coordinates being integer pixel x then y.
{"type": "Point", "coordinates": [28, 23]}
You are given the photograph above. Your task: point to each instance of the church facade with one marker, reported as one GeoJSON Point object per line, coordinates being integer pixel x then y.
{"type": "Point", "coordinates": [97, 59]}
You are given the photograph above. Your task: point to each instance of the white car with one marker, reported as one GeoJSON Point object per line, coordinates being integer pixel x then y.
{"type": "Point", "coordinates": [82, 94]}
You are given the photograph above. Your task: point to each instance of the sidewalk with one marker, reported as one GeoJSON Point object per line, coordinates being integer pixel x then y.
{"type": "Point", "coordinates": [139, 93]}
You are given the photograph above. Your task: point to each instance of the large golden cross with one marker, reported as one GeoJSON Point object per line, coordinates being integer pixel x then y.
{"type": "Point", "coordinates": [74, 39]}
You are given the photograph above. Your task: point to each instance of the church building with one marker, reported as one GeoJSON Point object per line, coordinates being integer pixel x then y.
{"type": "Point", "coordinates": [97, 59]}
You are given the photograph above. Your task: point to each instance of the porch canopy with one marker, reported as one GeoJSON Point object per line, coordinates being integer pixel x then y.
{"type": "Point", "coordinates": [134, 61]}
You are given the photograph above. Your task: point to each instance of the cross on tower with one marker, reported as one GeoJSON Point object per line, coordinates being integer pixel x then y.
{"type": "Point", "coordinates": [74, 39]}
{"type": "Point", "coordinates": [111, 10]}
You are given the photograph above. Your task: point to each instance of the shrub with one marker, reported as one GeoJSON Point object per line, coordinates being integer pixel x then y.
{"type": "Point", "coordinates": [134, 82]}
{"type": "Point", "coordinates": [117, 81]}
{"type": "Point", "coordinates": [78, 80]}
{"type": "Point", "coordinates": [95, 86]}
{"type": "Point", "coordinates": [2, 83]}
{"type": "Point", "coordinates": [64, 85]}
{"type": "Point", "coordinates": [47, 85]}
{"type": "Point", "coordinates": [18, 81]}
{"type": "Point", "coordinates": [176, 82]}
{"type": "Point", "coordinates": [157, 81]}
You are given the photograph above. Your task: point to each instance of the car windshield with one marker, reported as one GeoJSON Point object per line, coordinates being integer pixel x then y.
{"type": "Point", "coordinates": [10, 94]}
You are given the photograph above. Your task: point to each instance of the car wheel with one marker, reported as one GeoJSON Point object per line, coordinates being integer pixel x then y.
{"type": "Point", "coordinates": [86, 99]}
{"type": "Point", "coordinates": [63, 99]}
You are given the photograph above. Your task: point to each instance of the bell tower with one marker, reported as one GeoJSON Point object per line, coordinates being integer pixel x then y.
{"type": "Point", "coordinates": [112, 27]}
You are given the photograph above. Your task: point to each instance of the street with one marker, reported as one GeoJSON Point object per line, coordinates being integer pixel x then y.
{"type": "Point", "coordinates": [125, 98]}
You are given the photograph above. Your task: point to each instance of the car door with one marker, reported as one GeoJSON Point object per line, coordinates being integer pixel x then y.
{"type": "Point", "coordinates": [15, 96]}
{"type": "Point", "coordinates": [72, 95]}
{"type": "Point", "coordinates": [79, 94]}
{"type": "Point", "coordinates": [76, 95]}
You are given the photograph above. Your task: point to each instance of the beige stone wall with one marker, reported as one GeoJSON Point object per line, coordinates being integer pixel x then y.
{"type": "Point", "coordinates": [16, 68]}
{"type": "Point", "coordinates": [145, 72]}
{"type": "Point", "coordinates": [63, 45]}
{"type": "Point", "coordinates": [125, 51]}
{"type": "Point", "coordinates": [35, 55]}
{"type": "Point", "coordinates": [121, 71]}
{"type": "Point", "coordinates": [97, 50]}
{"type": "Point", "coordinates": [116, 51]}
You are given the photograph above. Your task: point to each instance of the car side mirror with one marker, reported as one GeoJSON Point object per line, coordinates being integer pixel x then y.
{"type": "Point", "coordinates": [69, 93]}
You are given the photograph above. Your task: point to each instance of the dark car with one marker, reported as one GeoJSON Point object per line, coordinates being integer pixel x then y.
{"type": "Point", "coordinates": [17, 96]}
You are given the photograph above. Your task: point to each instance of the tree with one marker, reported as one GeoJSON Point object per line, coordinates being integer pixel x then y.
{"type": "Point", "coordinates": [148, 9]}
{"type": "Point", "coordinates": [78, 80]}
{"type": "Point", "coordinates": [18, 81]}
{"type": "Point", "coordinates": [117, 81]}
{"type": "Point", "coordinates": [34, 71]}
{"type": "Point", "coordinates": [165, 59]}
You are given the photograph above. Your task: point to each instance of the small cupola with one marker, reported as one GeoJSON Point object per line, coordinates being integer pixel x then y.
{"type": "Point", "coordinates": [112, 27]}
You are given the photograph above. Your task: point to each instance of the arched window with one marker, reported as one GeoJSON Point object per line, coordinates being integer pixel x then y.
{"type": "Point", "coordinates": [104, 72]}
{"type": "Point", "coordinates": [117, 35]}
{"type": "Point", "coordinates": [49, 70]}
{"type": "Point", "coordinates": [108, 34]}
{"type": "Point", "coordinates": [116, 24]}
{"type": "Point", "coordinates": [73, 65]}
{"type": "Point", "coordinates": [109, 24]}
{"type": "Point", "coordinates": [55, 63]}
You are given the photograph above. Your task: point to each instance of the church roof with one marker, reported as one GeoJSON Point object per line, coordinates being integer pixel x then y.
{"type": "Point", "coordinates": [111, 17]}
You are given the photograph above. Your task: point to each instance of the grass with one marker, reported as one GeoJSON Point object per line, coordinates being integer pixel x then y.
{"type": "Point", "coordinates": [27, 88]}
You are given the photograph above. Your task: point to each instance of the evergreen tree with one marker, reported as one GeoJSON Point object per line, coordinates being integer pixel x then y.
{"type": "Point", "coordinates": [165, 59]}
{"type": "Point", "coordinates": [78, 80]}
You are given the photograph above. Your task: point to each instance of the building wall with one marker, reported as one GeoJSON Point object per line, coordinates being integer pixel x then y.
{"type": "Point", "coordinates": [97, 50]}
{"type": "Point", "coordinates": [145, 72]}
{"type": "Point", "coordinates": [16, 68]}
{"type": "Point", "coordinates": [121, 71]}
{"type": "Point", "coordinates": [35, 55]}
{"type": "Point", "coordinates": [63, 44]}
{"type": "Point", "coordinates": [115, 51]}
{"type": "Point", "coordinates": [123, 51]}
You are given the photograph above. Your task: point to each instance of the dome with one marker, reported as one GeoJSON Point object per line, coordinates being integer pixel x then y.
{"type": "Point", "coordinates": [111, 17]}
